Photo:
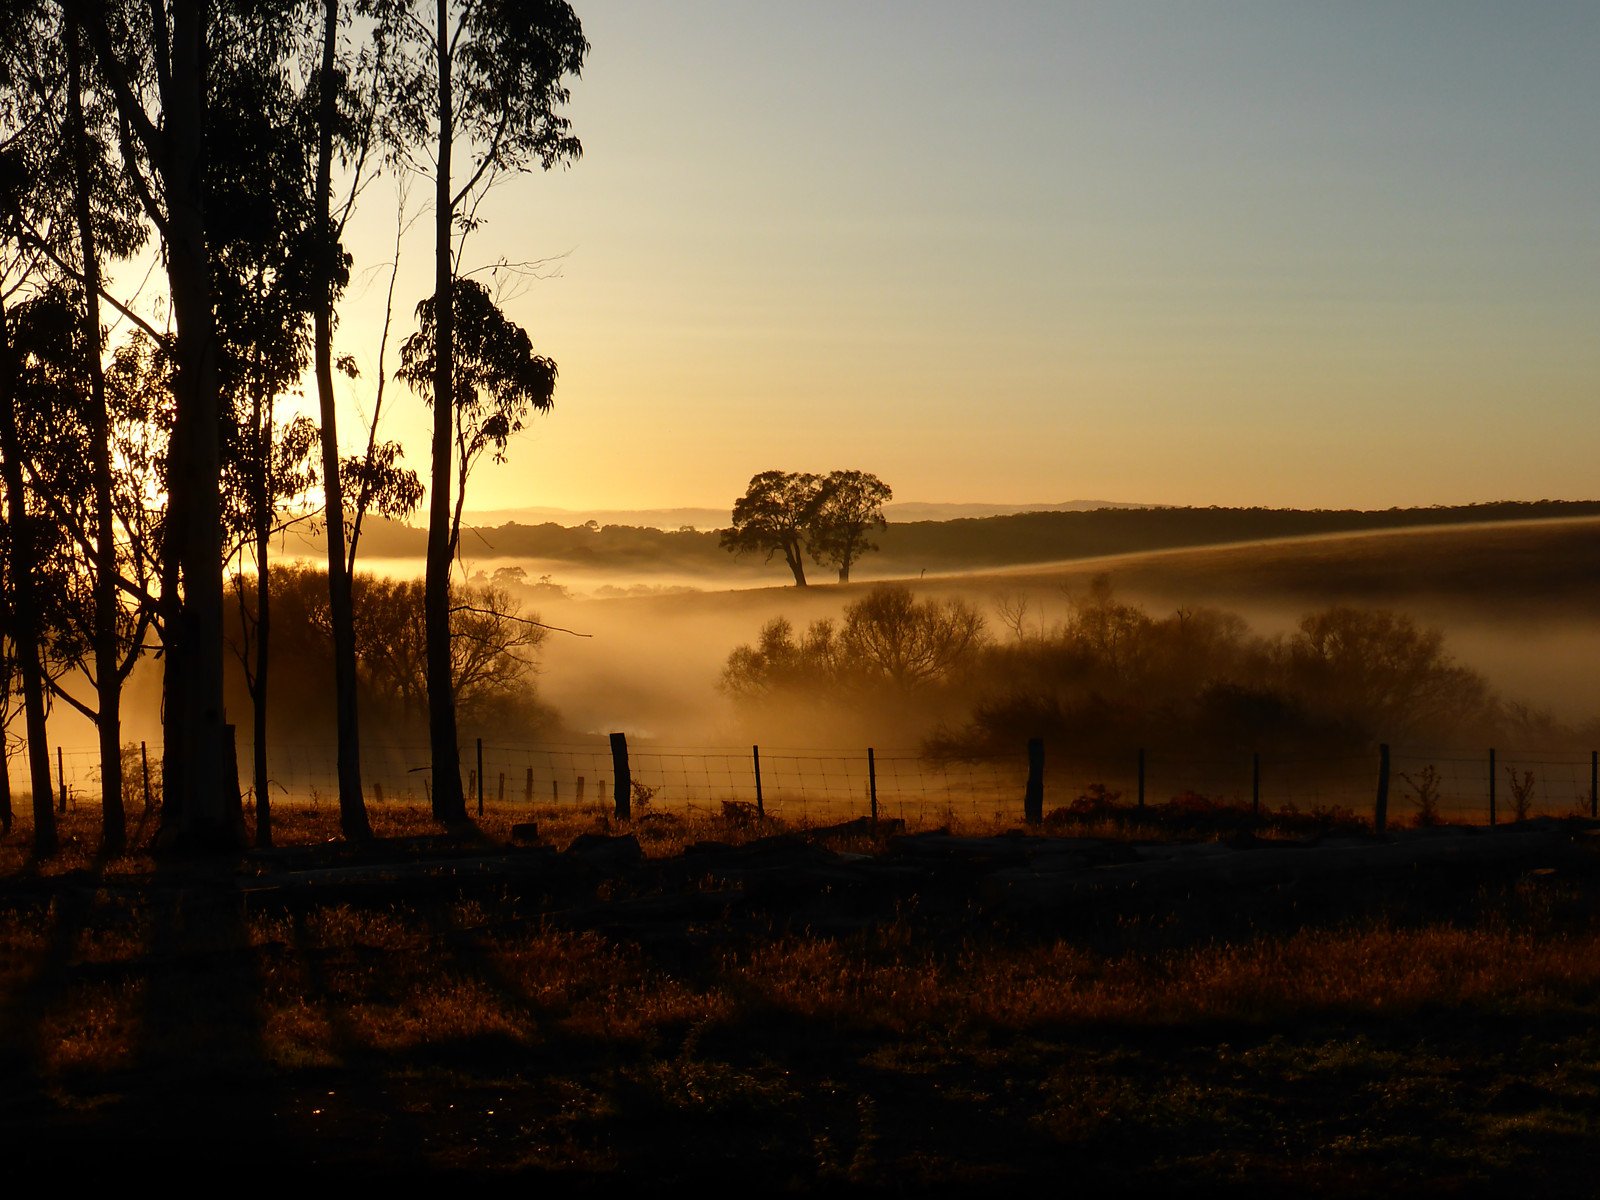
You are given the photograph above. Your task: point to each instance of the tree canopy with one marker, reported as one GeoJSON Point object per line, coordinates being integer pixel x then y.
{"type": "Point", "coordinates": [828, 517]}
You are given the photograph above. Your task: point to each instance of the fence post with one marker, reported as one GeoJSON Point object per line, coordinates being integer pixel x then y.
{"type": "Point", "coordinates": [1491, 785]}
{"type": "Point", "coordinates": [61, 776]}
{"type": "Point", "coordinates": [530, 786]}
{"type": "Point", "coordinates": [579, 798]}
{"type": "Point", "coordinates": [500, 796]}
{"type": "Point", "coordinates": [1141, 776]}
{"type": "Point", "coordinates": [555, 791]}
{"type": "Point", "coordinates": [622, 785]}
{"type": "Point", "coordinates": [144, 763]}
{"type": "Point", "coordinates": [755, 755]}
{"type": "Point", "coordinates": [872, 785]}
{"type": "Point", "coordinates": [1033, 798]}
{"type": "Point", "coordinates": [1594, 783]}
{"type": "Point", "coordinates": [1255, 785]}
{"type": "Point", "coordinates": [480, 777]}
{"type": "Point", "coordinates": [1380, 814]}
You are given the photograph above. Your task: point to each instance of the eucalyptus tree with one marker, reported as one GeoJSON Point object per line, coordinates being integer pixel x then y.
{"type": "Point", "coordinates": [105, 220]}
{"type": "Point", "coordinates": [849, 508]}
{"type": "Point", "coordinates": [487, 78]}
{"type": "Point", "coordinates": [496, 380]}
{"type": "Point", "coordinates": [38, 361]}
{"type": "Point", "coordinates": [156, 59]}
{"type": "Point", "coordinates": [345, 118]}
{"type": "Point", "coordinates": [267, 487]}
{"type": "Point", "coordinates": [31, 192]}
{"type": "Point", "coordinates": [268, 248]}
{"type": "Point", "coordinates": [773, 516]}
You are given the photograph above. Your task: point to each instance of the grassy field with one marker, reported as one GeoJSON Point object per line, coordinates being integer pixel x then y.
{"type": "Point", "coordinates": [649, 1025]}
{"type": "Point", "coordinates": [598, 1024]}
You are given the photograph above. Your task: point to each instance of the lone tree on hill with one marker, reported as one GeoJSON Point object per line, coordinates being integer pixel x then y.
{"type": "Point", "coordinates": [848, 509]}
{"type": "Point", "coordinates": [828, 517]}
{"type": "Point", "coordinates": [775, 513]}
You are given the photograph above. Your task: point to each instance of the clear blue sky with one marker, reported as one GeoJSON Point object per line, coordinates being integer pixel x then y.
{"type": "Point", "coordinates": [1188, 252]}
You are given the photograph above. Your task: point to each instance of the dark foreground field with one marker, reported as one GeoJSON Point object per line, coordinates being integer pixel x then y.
{"type": "Point", "coordinates": [726, 1003]}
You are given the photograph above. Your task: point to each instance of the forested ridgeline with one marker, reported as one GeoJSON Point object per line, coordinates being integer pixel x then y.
{"type": "Point", "coordinates": [973, 542]}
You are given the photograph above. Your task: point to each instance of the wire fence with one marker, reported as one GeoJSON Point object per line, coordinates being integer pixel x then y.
{"type": "Point", "coordinates": [816, 785]}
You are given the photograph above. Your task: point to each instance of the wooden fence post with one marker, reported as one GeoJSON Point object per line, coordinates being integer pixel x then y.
{"type": "Point", "coordinates": [500, 796]}
{"type": "Point", "coordinates": [1594, 783]}
{"type": "Point", "coordinates": [1380, 814]}
{"type": "Point", "coordinates": [480, 777]}
{"type": "Point", "coordinates": [1255, 785]}
{"type": "Point", "coordinates": [529, 796]}
{"type": "Point", "coordinates": [872, 784]}
{"type": "Point", "coordinates": [1141, 776]}
{"type": "Point", "coordinates": [755, 755]}
{"type": "Point", "coordinates": [1491, 786]}
{"type": "Point", "coordinates": [622, 785]}
{"type": "Point", "coordinates": [144, 763]}
{"type": "Point", "coordinates": [579, 798]}
{"type": "Point", "coordinates": [1033, 798]}
{"type": "Point", "coordinates": [61, 777]}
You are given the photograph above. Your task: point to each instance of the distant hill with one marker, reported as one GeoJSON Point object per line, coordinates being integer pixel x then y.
{"type": "Point", "coordinates": [718, 518]}
{"type": "Point", "coordinates": [967, 543]}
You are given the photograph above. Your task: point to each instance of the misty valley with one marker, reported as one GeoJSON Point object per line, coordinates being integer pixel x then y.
{"type": "Point", "coordinates": [365, 826]}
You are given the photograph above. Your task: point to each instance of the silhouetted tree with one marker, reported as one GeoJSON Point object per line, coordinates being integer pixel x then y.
{"type": "Point", "coordinates": [1376, 671]}
{"type": "Point", "coordinates": [103, 212]}
{"type": "Point", "coordinates": [489, 75]}
{"type": "Point", "coordinates": [38, 359]}
{"type": "Point", "coordinates": [157, 61]}
{"type": "Point", "coordinates": [888, 638]}
{"type": "Point", "coordinates": [345, 123]}
{"type": "Point", "coordinates": [274, 477]}
{"type": "Point", "coordinates": [773, 516]}
{"type": "Point", "coordinates": [848, 508]}
{"type": "Point", "coordinates": [498, 379]}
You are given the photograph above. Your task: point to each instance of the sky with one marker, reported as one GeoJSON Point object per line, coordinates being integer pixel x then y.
{"type": "Point", "coordinates": [1192, 252]}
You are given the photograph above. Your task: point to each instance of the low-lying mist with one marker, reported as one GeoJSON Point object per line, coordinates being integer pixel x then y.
{"type": "Point", "coordinates": [1512, 603]}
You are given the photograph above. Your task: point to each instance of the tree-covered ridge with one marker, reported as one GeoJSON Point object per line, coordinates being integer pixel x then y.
{"type": "Point", "coordinates": [909, 547]}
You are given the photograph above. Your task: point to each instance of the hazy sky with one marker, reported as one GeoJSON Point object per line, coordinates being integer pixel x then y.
{"type": "Point", "coordinates": [1187, 252]}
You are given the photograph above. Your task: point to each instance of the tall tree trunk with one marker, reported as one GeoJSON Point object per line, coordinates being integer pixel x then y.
{"type": "Point", "coordinates": [449, 804]}
{"type": "Point", "coordinates": [207, 818]}
{"type": "Point", "coordinates": [5, 783]}
{"type": "Point", "coordinates": [261, 412]}
{"type": "Point", "coordinates": [341, 612]}
{"type": "Point", "coordinates": [24, 612]}
{"type": "Point", "coordinates": [108, 679]}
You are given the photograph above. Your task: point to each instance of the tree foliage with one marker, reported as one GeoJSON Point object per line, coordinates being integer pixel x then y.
{"type": "Point", "coordinates": [887, 641]}
{"type": "Point", "coordinates": [497, 379]}
{"type": "Point", "coordinates": [773, 516]}
{"type": "Point", "coordinates": [828, 517]}
{"type": "Point", "coordinates": [848, 509]}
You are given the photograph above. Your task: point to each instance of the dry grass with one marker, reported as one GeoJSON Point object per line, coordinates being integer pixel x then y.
{"type": "Point", "coordinates": [499, 1032]}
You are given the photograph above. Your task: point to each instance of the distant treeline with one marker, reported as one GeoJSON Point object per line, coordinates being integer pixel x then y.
{"type": "Point", "coordinates": [973, 542]}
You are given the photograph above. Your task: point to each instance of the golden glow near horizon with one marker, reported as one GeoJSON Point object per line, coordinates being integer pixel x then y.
{"type": "Point", "coordinates": [1226, 252]}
